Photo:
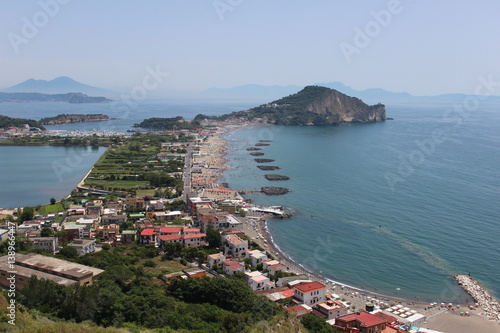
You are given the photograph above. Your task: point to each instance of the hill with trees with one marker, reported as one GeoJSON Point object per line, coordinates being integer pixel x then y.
{"type": "Point", "coordinates": [313, 105]}
{"type": "Point", "coordinates": [176, 123]}
{"type": "Point", "coordinates": [6, 122]}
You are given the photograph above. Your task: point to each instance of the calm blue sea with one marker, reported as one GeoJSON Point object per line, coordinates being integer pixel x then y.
{"type": "Point", "coordinates": [397, 207]}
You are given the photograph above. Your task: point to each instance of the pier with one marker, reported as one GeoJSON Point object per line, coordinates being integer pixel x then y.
{"type": "Point", "coordinates": [485, 300]}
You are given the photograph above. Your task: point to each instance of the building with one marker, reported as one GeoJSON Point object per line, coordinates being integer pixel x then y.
{"type": "Point", "coordinates": [185, 236]}
{"type": "Point", "coordinates": [232, 266]}
{"type": "Point", "coordinates": [215, 259]}
{"type": "Point", "coordinates": [134, 203]}
{"type": "Point", "coordinates": [148, 236]}
{"type": "Point", "coordinates": [48, 244]}
{"type": "Point", "coordinates": [60, 271]}
{"type": "Point", "coordinates": [310, 293]}
{"type": "Point", "coordinates": [114, 219]}
{"type": "Point", "coordinates": [235, 246]}
{"type": "Point", "coordinates": [274, 266]}
{"type": "Point", "coordinates": [195, 272]}
{"type": "Point", "coordinates": [107, 232]}
{"type": "Point", "coordinates": [256, 257]}
{"type": "Point", "coordinates": [128, 236]}
{"type": "Point", "coordinates": [83, 246]}
{"type": "Point", "coordinates": [330, 310]}
{"type": "Point", "coordinates": [360, 322]}
{"type": "Point", "coordinates": [257, 281]}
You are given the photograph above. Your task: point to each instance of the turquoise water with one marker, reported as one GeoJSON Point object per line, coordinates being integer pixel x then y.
{"type": "Point", "coordinates": [30, 176]}
{"type": "Point", "coordinates": [388, 205]}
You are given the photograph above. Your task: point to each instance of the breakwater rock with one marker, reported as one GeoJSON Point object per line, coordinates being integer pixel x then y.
{"type": "Point", "coordinates": [262, 144]}
{"type": "Point", "coordinates": [489, 303]}
{"type": "Point", "coordinates": [253, 149]}
{"type": "Point", "coordinates": [265, 140]}
{"type": "Point", "coordinates": [257, 154]}
{"type": "Point", "coordinates": [268, 167]}
{"type": "Point", "coordinates": [263, 160]}
{"type": "Point", "coordinates": [271, 190]}
{"type": "Point", "coordinates": [276, 177]}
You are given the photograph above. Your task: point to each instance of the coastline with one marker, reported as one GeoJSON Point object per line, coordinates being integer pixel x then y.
{"type": "Point", "coordinates": [353, 296]}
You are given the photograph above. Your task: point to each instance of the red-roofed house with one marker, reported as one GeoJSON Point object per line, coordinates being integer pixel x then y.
{"type": "Point", "coordinates": [148, 236]}
{"type": "Point", "coordinates": [187, 237]}
{"type": "Point", "coordinates": [310, 292]}
{"type": "Point", "coordinates": [232, 266]}
{"type": "Point", "coordinates": [170, 230]}
{"type": "Point", "coordinates": [298, 309]}
{"type": "Point", "coordinates": [360, 322]}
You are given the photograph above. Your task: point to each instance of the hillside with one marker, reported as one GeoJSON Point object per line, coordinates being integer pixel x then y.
{"type": "Point", "coordinates": [313, 105]}
{"type": "Point", "coordinates": [39, 97]}
{"type": "Point", "coordinates": [176, 123]}
{"type": "Point", "coordinates": [73, 118]}
{"type": "Point", "coordinates": [6, 122]}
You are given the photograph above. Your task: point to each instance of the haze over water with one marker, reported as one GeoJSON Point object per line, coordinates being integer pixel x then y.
{"type": "Point", "coordinates": [385, 206]}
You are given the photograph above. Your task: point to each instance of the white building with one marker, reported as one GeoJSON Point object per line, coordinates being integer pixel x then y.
{"type": "Point", "coordinates": [310, 292]}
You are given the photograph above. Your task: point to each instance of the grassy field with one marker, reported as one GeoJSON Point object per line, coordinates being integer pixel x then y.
{"type": "Point", "coordinates": [162, 266]}
{"type": "Point", "coordinates": [50, 209]}
{"type": "Point", "coordinates": [127, 184]}
{"type": "Point", "coordinates": [149, 193]}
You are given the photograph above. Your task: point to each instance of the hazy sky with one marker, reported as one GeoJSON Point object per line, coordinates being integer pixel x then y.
{"type": "Point", "coordinates": [425, 47]}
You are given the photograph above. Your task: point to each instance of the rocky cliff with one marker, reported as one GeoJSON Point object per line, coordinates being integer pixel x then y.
{"type": "Point", "coordinates": [313, 105]}
{"type": "Point", "coordinates": [339, 108]}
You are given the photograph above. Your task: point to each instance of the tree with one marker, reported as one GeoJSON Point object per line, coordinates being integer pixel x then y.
{"type": "Point", "coordinates": [27, 214]}
{"type": "Point", "coordinates": [53, 201]}
{"type": "Point", "coordinates": [46, 232]}
{"type": "Point", "coordinates": [69, 252]}
{"type": "Point", "coordinates": [315, 324]}
{"type": "Point", "coordinates": [213, 237]}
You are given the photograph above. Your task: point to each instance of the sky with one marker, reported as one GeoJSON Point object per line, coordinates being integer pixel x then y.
{"type": "Point", "coordinates": [423, 47]}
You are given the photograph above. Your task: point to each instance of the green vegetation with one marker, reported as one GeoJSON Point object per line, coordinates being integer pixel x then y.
{"type": "Point", "coordinates": [6, 122]}
{"type": "Point", "coordinates": [52, 208]}
{"type": "Point", "coordinates": [176, 123]}
{"type": "Point", "coordinates": [73, 118]}
{"type": "Point", "coordinates": [317, 325]}
{"type": "Point", "coordinates": [132, 166]}
{"type": "Point", "coordinates": [290, 110]}
{"type": "Point", "coordinates": [93, 141]}
{"type": "Point", "coordinates": [130, 296]}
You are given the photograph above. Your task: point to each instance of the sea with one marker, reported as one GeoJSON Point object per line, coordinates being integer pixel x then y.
{"type": "Point", "coordinates": [397, 207]}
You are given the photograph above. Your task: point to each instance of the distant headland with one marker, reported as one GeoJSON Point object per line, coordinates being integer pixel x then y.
{"type": "Point", "coordinates": [312, 106]}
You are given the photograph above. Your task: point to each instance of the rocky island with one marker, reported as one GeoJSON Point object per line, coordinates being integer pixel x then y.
{"type": "Point", "coordinates": [73, 118]}
{"type": "Point", "coordinates": [276, 177]}
{"type": "Point", "coordinates": [312, 106]}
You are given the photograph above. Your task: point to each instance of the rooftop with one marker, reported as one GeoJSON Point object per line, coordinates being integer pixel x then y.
{"type": "Point", "coordinates": [306, 287]}
{"type": "Point", "coordinates": [365, 318]}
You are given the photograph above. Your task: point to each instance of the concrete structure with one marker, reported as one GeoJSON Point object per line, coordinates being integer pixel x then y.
{"type": "Point", "coordinates": [128, 236]}
{"type": "Point", "coordinates": [107, 232]}
{"type": "Point", "coordinates": [60, 271]}
{"type": "Point", "coordinates": [83, 246]}
{"type": "Point", "coordinates": [256, 257]}
{"type": "Point", "coordinates": [48, 244]}
{"type": "Point", "coordinates": [234, 246]}
{"type": "Point", "coordinates": [232, 266]}
{"type": "Point", "coordinates": [257, 281]}
{"type": "Point", "coordinates": [148, 236]}
{"type": "Point", "coordinates": [310, 292]}
{"type": "Point", "coordinates": [215, 259]}
{"type": "Point", "coordinates": [330, 310]}
{"type": "Point", "coordinates": [114, 219]}
{"type": "Point", "coordinates": [195, 272]}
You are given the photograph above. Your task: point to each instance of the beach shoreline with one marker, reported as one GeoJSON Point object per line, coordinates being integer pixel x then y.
{"type": "Point", "coordinates": [355, 296]}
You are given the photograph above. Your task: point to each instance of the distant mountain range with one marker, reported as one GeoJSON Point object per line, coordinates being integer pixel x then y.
{"type": "Point", "coordinates": [58, 98]}
{"type": "Point", "coordinates": [254, 93]}
{"type": "Point", "coordinates": [59, 85]}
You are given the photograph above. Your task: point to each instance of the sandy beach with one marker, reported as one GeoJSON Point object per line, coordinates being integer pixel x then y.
{"type": "Point", "coordinates": [254, 225]}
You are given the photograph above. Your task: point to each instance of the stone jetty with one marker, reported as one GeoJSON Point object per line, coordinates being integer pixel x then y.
{"type": "Point", "coordinates": [265, 140]}
{"type": "Point", "coordinates": [271, 190]}
{"type": "Point", "coordinates": [262, 144]}
{"type": "Point", "coordinates": [485, 300]}
{"type": "Point", "coordinates": [253, 149]}
{"type": "Point", "coordinates": [268, 167]}
{"type": "Point", "coordinates": [257, 153]}
{"type": "Point", "coordinates": [276, 177]}
{"type": "Point", "coordinates": [263, 160]}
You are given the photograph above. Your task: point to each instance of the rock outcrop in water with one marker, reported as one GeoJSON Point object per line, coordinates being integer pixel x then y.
{"type": "Point", "coordinates": [271, 190]}
{"type": "Point", "coordinates": [253, 149]}
{"type": "Point", "coordinates": [276, 177]}
{"type": "Point", "coordinates": [263, 160]}
{"type": "Point", "coordinates": [257, 154]}
{"type": "Point", "coordinates": [268, 167]}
